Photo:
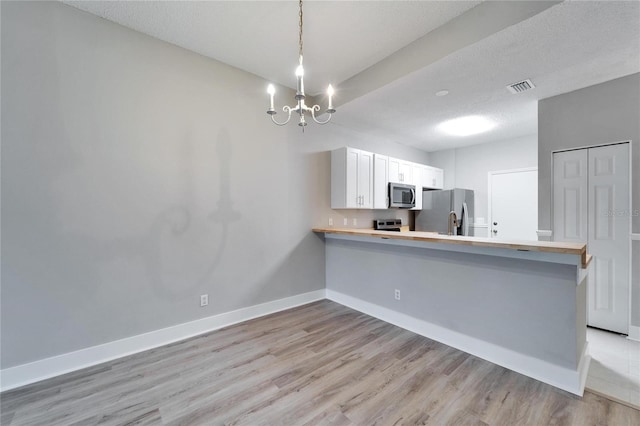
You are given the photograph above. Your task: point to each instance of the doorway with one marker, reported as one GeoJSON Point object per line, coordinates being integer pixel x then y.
{"type": "Point", "coordinates": [513, 204]}
{"type": "Point", "coordinates": [591, 201]}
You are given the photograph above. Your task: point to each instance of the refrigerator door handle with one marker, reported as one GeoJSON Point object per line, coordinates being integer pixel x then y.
{"type": "Point", "coordinates": [465, 219]}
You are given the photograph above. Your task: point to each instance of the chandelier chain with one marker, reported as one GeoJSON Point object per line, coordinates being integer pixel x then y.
{"type": "Point", "coordinates": [300, 25]}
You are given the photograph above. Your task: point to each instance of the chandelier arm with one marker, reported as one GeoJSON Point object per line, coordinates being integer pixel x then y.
{"type": "Point", "coordinates": [313, 110]}
{"type": "Point", "coordinates": [285, 109]}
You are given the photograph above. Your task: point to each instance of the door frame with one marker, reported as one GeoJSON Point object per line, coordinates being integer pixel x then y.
{"type": "Point", "coordinates": [492, 173]}
{"type": "Point", "coordinates": [630, 329]}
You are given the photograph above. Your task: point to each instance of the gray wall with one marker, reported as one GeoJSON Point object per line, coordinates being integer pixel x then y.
{"type": "Point", "coordinates": [604, 113]}
{"type": "Point", "coordinates": [499, 300]}
{"type": "Point", "coordinates": [468, 167]}
{"type": "Point", "coordinates": [136, 176]}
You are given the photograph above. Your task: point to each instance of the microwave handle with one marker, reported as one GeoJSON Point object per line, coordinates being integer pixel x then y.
{"type": "Point", "coordinates": [413, 199]}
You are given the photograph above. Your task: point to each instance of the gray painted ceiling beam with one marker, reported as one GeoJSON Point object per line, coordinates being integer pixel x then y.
{"type": "Point", "coordinates": [472, 26]}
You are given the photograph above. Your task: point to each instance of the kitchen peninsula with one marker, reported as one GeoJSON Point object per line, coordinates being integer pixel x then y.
{"type": "Point", "coordinates": [518, 304]}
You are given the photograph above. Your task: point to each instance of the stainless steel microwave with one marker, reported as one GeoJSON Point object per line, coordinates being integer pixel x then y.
{"type": "Point", "coordinates": [402, 195]}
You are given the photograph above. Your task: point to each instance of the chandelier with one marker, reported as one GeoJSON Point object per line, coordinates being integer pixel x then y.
{"type": "Point", "coordinates": [301, 108]}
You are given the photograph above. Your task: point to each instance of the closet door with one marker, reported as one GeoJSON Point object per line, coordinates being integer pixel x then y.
{"type": "Point", "coordinates": [609, 237]}
{"type": "Point", "coordinates": [570, 196]}
{"type": "Point", "coordinates": [591, 205]}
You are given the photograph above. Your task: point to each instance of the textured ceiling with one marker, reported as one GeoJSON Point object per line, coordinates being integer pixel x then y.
{"type": "Point", "coordinates": [567, 47]}
{"type": "Point", "coordinates": [341, 38]}
{"type": "Point", "coordinates": [561, 47]}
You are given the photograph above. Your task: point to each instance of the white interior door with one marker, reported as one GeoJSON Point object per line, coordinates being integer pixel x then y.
{"type": "Point", "coordinates": [609, 237]}
{"type": "Point", "coordinates": [513, 204]}
{"type": "Point", "coordinates": [590, 198]}
{"type": "Point", "coordinates": [570, 180]}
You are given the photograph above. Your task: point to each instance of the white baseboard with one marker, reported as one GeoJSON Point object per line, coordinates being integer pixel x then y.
{"type": "Point", "coordinates": [634, 333]}
{"type": "Point", "coordinates": [564, 378]}
{"type": "Point", "coordinates": [32, 372]}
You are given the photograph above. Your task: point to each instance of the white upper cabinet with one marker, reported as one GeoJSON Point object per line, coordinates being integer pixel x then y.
{"type": "Point", "coordinates": [434, 178]}
{"type": "Point", "coordinates": [400, 171]}
{"type": "Point", "coordinates": [380, 181]}
{"type": "Point", "coordinates": [360, 179]}
{"type": "Point", "coordinates": [419, 174]}
{"type": "Point", "coordinates": [351, 179]}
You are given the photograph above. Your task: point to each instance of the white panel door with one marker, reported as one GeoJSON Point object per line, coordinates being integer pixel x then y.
{"type": "Point", "coordinates": [590, 202]}
{"type": "Point", "coordinates": [513, 201]}
{"type": "Point", "coordinates": [570, 179]}
{"type": "Point", "coordinates": [609, 237]}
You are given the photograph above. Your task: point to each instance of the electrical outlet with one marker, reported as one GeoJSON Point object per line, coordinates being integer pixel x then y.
{"type": "Point", "coordinates": [397, 294]}
{"type": "Point", "coordinates": [355, 222]}
{"type": "Point", "coordinates": [204, 300]}
{"type": "Point", "coordinates": [330, 221]}
{"type": "Point", "coordinates": [346, 221]}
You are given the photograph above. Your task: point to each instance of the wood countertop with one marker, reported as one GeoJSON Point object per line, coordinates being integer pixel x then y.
{"type": "Point", "coordinates": [432, 237]}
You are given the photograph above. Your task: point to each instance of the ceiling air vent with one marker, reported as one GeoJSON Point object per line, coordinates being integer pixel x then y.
{"type": "Point", "coordinates": [521, 86]}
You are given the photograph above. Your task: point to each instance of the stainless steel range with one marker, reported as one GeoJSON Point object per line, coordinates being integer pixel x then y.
{"type": "Point", "coordinates": [387, 224]}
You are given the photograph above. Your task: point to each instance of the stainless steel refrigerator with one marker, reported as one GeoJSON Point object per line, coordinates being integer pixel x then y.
{"type": "Point", "coordinates": [436, 206]}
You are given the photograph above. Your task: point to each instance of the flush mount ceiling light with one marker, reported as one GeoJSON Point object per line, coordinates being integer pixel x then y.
{"type": "Point", "coordinates": [466, 126]}
{"type": "Point", "coordinates": [301, 108]}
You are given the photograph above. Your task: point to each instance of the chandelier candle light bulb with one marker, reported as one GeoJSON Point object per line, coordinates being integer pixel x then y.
{"type": "Point", "coordinates": [301, 108]}
{"type": "Point", "coordinates": [299, 75]}
{"type": "Point", "coordinates": [271, 91]}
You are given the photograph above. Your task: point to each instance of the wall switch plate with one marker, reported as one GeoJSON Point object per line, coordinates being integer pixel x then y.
{"type": "Point", "coordinates": [204, 300]}
{"type": "Point", "coordinates": [397, 294]}
{"type": "Point", "coordinates": [355, 222]}
{"type": "Point", "coordinates": [330, 221]}
{"type": "Point", "coordinates": [346, 221]}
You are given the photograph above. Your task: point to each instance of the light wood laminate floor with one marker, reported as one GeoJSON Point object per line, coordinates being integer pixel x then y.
{"type": "Point", "coordinates": [318, 364]}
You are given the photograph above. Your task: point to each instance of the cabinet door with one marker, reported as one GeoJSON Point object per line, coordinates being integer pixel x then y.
{"type": "Point", "coordinates": [419, 175]}
{"type": "Point", "coordinates": [406, 172]}
{"type": "Point", "coordinates": [394, 170]}
{"type": "Point", "coordinates": [434, 178]}
{"type": "Point", "coordinates": [439, 178]}
{"type": "Point", "coordinates": [365, 179]}
{"type": "Point", "coordinates": [352, 195]}
{"type": "Point", "coordinates": [380, 181]}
